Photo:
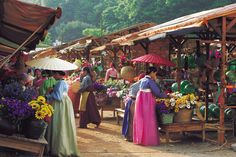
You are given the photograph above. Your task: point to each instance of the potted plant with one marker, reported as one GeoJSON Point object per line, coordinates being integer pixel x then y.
{"type": "Point", "coordinates": [183, 106]}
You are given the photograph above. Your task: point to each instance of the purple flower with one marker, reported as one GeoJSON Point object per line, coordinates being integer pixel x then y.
{"type": "Point", "coordinates": [98, 87]}
{"type": "Point", "coordinates": [161, 107]}
{"type": "Point", "coordinates": [16, 110]}
{"type": "Point", "coordinates": [15, 90]}
{"type": "Point", "coordinates": [28, 94]}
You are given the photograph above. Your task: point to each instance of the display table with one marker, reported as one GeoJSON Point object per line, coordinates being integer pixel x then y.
{"type": "Point", "coordinates": [119, 114]}
{"type": "Point", "coordinates": [22, 143]}
{"type": "Point", "coordinates": [183, 127]}
{"type": "Point", "coordinates": [113, 103]}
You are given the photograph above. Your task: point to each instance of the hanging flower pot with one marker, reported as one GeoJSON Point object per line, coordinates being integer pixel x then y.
{"type": "Point", "coordinates": [6, 127]}
{"type": "Point", "coordinates": [35, 129]}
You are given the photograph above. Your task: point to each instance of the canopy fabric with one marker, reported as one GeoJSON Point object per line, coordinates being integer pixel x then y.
{"type": "Point", "coordinates": [155, 59]}
{"type": "Point", "coordinates": [46, 53]}
{"type": "Point", "coordinates": [190, 21]}
{"type": "Point", "coordinates": [18, 20]}
{"type": "Point", "coordinates": [51, 63]}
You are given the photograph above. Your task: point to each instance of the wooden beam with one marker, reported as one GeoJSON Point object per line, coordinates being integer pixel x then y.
{"type": "Point", "coordinates": [217, 42]}
{"type": "Point", "coordinates": [231, 47]}
{"type": "Point", "coordinates": [215, 29]}
{"type": "Point", "coordinates": [232, 15]}
{"type": "Point", "coordinates": [231, 24]}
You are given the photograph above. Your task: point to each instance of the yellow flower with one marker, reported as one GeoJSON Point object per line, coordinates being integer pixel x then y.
{"type": "Point", "coordinates": [177, 109]}
{"type": "Point", "coordinates": [44, 106]}
{"type": "Point", "coordinates": [41, 99]}
{"type": "Point", "coordinates": [32, 102]}
{"type": "Point", "coordinates": [35, 106]}
{"type": "Point", "coordinates": [192, 97]}
{"type": "Point", "coordinates": [51, 108]}
{"type": "Point", "coordinates": [49, 113]}
{"type": "Point", "coordinates": [39, 115]}
{"type": "Point", "coordinates": [197, 97]}
{"type": "Point", "coordinates": [44, 110]}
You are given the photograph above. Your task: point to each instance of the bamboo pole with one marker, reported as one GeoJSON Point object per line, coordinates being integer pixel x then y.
{"type": "Point", "coordinates": [6, 60]}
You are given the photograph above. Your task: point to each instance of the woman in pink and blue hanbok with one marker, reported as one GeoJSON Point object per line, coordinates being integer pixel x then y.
{"type": "Point", "coordinates": [145, 126]}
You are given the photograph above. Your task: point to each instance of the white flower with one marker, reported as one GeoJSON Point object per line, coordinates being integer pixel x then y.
{"type": "Point", "coordinates": [172, 100]}
{"type": "Point", "coordinates": [179, 95]}
{"type": "Point", "coordinates": [193, 102]}
{"type": "Point", "coordinates": [172, 104]}
{"type": "Point", "coordinates": [187, 102]}
{"type": "Point", "coordinates": [188, 106]}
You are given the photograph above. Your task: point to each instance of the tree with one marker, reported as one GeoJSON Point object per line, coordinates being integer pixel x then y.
{"type": "Point", "coordinates": [96, 17]}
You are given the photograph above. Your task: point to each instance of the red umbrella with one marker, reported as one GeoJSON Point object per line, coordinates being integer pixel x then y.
{"type": "Point", "coordinates": [155, 59]}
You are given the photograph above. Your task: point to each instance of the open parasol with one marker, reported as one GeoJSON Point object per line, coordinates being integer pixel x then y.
{"type": "Point", "coordinates": [155, 59]}
{"type": "Point", "coordinates": [51, 63]}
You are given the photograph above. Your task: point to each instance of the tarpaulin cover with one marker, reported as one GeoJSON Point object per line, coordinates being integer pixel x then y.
{"type": "Point", "coordinates": [18, 20]}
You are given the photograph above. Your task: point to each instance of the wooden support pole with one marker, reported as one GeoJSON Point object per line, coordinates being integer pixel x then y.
{"type": "Point", "coordinates": [207, 82]}
{"type": "Point", "coordinates": [221, 132]}
{"type": "Point", "coordinates": [179, 65]}
{"type": "Point", "coordinates": [178, 43]}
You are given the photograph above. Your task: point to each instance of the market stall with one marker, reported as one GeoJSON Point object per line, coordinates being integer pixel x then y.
{"type": "Point", "coordinates": [21, 108]}
{"type": "Point", "coordinates": [216, 26]}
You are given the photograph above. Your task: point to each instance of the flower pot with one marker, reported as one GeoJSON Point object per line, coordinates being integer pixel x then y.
{"type": "Point", "coordinates": [7, 127]}
{"type": "Point", "coordinates": [167, 118]}
{"type": "Point", "coordinates": [35, 129]}
{"type": "Point", "coordinates": [183, 116]}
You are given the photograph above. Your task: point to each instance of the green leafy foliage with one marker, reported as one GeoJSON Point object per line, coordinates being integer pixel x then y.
{"type": "Point", "coordinates": [98, 17]}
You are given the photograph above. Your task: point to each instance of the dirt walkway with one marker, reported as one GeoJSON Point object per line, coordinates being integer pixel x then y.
{"type": "Point", "coordinates": [106, 141]}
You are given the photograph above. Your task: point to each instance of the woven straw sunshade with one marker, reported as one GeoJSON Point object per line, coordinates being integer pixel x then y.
{"type": "Point", "coordinates": [51, 63]}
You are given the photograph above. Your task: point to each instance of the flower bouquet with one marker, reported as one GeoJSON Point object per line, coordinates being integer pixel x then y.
{"type": "Point", "coordinates": [15, 90]}
{"type": "Point", "coordinates": [179, 101]}
{"type": "Point", "coordinates": [181, 105]}
{"type": "Point", "coordinates": [165, 116]}
{"type": "Point", "coordinates": [35, 127]}
{"type": "Point", "coordinates": [42, 110]}
{"type": "Point", "coordinates": [12, 113]}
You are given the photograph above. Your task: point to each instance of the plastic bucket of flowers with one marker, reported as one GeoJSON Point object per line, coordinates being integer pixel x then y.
{"type": "Point", "coordinates": [36, 126]}
{"type": "Point", "coordinates": [163, 112]}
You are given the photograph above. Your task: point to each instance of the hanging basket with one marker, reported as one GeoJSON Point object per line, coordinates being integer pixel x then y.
{"type": "Point", "coordinates": [183, 116]}
{"type": "Point", "coordinates": [127, 72]}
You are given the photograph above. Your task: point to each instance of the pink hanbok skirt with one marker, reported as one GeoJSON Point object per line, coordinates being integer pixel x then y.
{"type": "Point", "coordinates": [145, 127]}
